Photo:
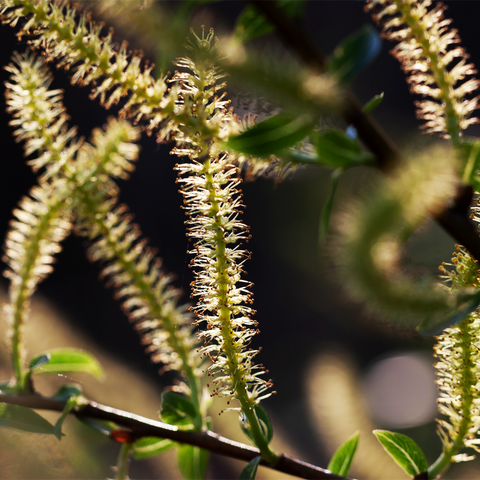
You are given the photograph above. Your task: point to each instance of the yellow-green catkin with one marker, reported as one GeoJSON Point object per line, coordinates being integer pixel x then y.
{"type": "Point", "coordinates": [437, 67]}
{"type": "Point", "coordinates": [458, 370]}
{"type": "Point", "coordinates": [213, 202]}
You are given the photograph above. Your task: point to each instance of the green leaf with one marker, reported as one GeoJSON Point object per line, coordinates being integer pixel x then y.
{"type": "Point", "coordinates": [475, 182]}
{"type": "Point", "coordinates": [147, 447]}
{"type": "Point", "coordinates": [342, 459]}
{"type": "Point", "coordinates": [327, 208]}
{"type": "Point", "coordinates": [273, 135]}
{"type": "Point", "coordinates": [69, 405]}
{"type": "Point", "coordinates": [177, 410]}
{"type": "Point", "coordinates": [22, 418]}
{"type": "Point", "coordinates": [251, 23]}
{"type": "Point", "coordinates": [354, 54]}
{"type": "Point", "coordinates": [65, 360]}
{"type": "Point", "coordinates": [105, 427]}
{"type": "Point", "coordinates": [335, 149]}
{"type": "Point", "coordinates": [296, 156]}
{"type": "Point", "coordinates": [471, 155]}
{"type": "Point", "coordinates": [192, 462]}
{"type": "Point", "coordinates": [372, 104]}
{"type": "Point", "coordinates": [264, 421]}
{"type": "Point", "coordinates": [250, 470]}
{"type": "Point", "coordinates": [405, 451]}
{"type": "Point", "coordinates": [66, 392]}
{"type": "Point", "coordinates": [433, 326]}
{"type": "Point", "coordinates": [72, 396]}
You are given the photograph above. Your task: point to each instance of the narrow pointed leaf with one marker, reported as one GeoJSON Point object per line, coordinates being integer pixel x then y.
{"type": "Point", "coordinates": [66, 392]}
{"type": "Point", "coordinates": [22, 418]}
{"type": "Point", "coordinates": [342, 458]}
{"type": "Point", "coordinates": [177, 410]}
{"type": "Point", "coordinates": [405, 451]}
{"type": "Point", "coordinates": [354, 54]}
{"type": "Point", "coordinates": [471, 154]}
{"type": "Point", "coordinates": [433, 326]}
{"type": "Point", "coordinates": [273, 135]}
{"type": "Point", "coordinates": [105, 427]}
{"type": "Point", "coordinates": [66, 360]}
{"type": "Point", "coordinates": [335, 149]}
{"type": "Point", "coordinates": [372, 104]}
{"type": "Point", "coordinates": [251, 23]}
{"type": "Point", "coordinates": [148, 447]}
{"type": "Point", "coordinates": [192, 462]}
{"type": "Point", "coordinates": [71, 403]}
{"type": "Point", "coordinates": [327, 208]}
{"type": "Point", "coordinates": [264, 421]}
{"type": "Point", "coordinates": [250, 470]}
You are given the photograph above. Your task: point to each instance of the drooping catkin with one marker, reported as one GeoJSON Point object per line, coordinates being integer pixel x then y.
{"type": "Point", "coordinates": [372, 235]}
{"type": "Point", "coordinates": [430, 53]}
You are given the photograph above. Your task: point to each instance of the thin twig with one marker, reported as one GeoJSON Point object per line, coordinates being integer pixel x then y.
{"type": "Point", "coordinates": [454, 219]}
{"type": "Point", "coordinates": [137, 427]}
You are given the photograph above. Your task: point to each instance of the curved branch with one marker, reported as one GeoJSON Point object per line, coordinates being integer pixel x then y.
{"type": "Point", "coordinates": [454, 219]}
{"type": "Point", "coordinates": [138, 427]}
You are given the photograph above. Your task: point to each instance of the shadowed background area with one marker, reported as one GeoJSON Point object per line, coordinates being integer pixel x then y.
{"type": "Point", "coordinates": [336, 370]}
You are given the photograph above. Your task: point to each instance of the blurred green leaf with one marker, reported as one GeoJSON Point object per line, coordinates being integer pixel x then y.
{"type": "Point", "coordinates": [327, 208]}
{"type": "Point", "coordinates": [103, 426]}
{"type": "Point", "coordinates": [65, 360]}
{"type": "Point", "coordinates": [250, 470]}
{"type": "Point", "coordinates": [335, 149]}
{"type": "Point", "coordinates": [65, 392]}
{"type": "Point", "coordinates": [405, 451]}
{"type": "Point", "coordinates": [342, 459]}
{"type": "Point", "coordinates": [251, 23]}
{"type": "Point", "coordinates": [147, 447]}
{"type": "Point", "coordinates": [433, 326]}
{"type": "Point", "coordinates": [273, 135]}
{"type": "Point", "coordinates": [471, 154]}
{"type": "Point", "coordinates": [372, 104]}
{"type": "Point", "coordinates": [354, 54]}
{"type": "Point", "coordinates": [71, 395]}
{"type": "Point", "coordinates": [22, 418]}
{"type": "Point", "coordinates": [177, 410]}
{"type": "Point", "coordinates": [475, 182]}
{"type": "Point", "coordinates": [192, 462]}
{"type": "Point", "coordinates": [71, 403]}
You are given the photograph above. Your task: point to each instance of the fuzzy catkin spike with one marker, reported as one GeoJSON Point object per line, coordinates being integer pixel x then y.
{"type": "Point", "coordinates": [213, 204]}
{"type": "Point", "coordinates": [42, 221]}
{"type": "Point", "coordinates": [371, 236]}
{"type": "Point", "coordinates": [458, 367]}
{"type": "Point", "coordinates": [36, 109]}
{"type": "Point", "coordinates": [430, 53]}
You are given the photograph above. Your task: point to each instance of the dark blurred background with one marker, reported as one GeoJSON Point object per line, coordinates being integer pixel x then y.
{"type": "Point", "coordinates": [302, 310]}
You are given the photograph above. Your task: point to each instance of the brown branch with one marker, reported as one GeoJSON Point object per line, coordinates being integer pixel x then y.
{"type": "Point", "coordinates": [454, 219]}
{"type": "Point", "coordinates": [138, 427]}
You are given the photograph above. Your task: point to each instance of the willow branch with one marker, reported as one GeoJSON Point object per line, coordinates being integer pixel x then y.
{"type": "Point", "coordinates": [454, 219]}
{"type": "Point", "coordinates": [137, 427]}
